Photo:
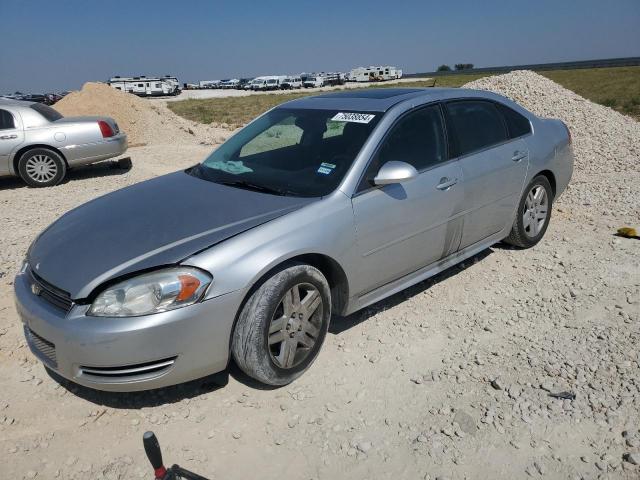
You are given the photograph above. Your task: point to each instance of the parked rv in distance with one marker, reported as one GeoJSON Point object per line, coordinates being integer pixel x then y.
{"type": "Point", "coordinates": [209, 83]}
{"type": "Point", "coordinates": [374, 74]}
{"type": "Point", "coordinates": [144, 86]}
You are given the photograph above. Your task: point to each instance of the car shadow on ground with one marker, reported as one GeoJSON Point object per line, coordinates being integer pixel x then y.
{"type": "Point", "coordinates": [176, 393]}
{"type": "Point", "coordinates": [97, 170]}
{"type": "Point", "coordinates": [148, 398]}
{"type": "Point", "coordinates": [341, 324]}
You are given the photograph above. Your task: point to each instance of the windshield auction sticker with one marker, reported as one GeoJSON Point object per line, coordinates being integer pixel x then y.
{"type": "Point", "coordinates": [353, 117]}
{"type": "Point", "coordinates": [326, 168]}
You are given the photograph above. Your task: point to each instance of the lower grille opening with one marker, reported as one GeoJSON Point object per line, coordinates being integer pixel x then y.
{"type": "Point", "coordinates": [42, 348]}
{"type": "Point", "coordinates": [129, 372]}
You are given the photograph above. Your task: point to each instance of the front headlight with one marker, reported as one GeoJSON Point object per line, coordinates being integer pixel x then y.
{"type": "Point", "coordinates": [152, 293]}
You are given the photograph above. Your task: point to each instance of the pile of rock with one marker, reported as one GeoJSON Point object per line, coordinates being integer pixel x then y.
{"type": "Point", "coordinates": [144, 122]}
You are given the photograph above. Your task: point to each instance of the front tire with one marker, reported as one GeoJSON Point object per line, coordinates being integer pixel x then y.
{"type": "Point", "coordinates": [42, 167]}
{"type": "Point", "coordinates": [533, 215]}
{"type": "Point", "coordinates": [282, 325]}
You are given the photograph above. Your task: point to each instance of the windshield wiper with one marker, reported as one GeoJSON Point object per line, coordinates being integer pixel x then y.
{"type": "Point", "coordinates": [252, 186]}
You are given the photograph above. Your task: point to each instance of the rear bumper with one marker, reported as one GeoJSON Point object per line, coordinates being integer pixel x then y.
{"type": "Point", "coordinates": [95, 152]}
{"type": "Point", "coordinates": [128, 354]}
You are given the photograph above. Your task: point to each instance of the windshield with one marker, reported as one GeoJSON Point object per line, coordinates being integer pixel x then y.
{"type": "Point", "coordinates": [298, 152]}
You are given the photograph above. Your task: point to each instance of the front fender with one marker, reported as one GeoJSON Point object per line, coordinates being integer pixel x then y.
{"type": "Point", "coordinates": [324, 227]}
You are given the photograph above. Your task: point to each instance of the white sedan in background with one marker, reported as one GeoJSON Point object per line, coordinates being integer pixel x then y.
{"type": "Point", "coordinates": [39, 145]}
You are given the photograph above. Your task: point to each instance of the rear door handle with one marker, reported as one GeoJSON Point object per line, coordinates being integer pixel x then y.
{"type": "Point", "coordinates": [8, 137]}
{"type": "Point", "coordinates": [518, 155]}
{"type": "Point", "coordinates": [446, 183]}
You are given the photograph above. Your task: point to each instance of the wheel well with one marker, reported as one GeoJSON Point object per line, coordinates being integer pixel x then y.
{"type": "Point", "coordinates": [24, 150]}
{"type": "Point", "coordinates": [334, 274]}
{"type": "Point", "coordinates": [551, 178]}
{"type": "Point", "coordinates": [331, 270]}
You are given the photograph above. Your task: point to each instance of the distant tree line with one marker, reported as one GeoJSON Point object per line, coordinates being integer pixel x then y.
{"type": "Point", "coordinates": [457, 66]}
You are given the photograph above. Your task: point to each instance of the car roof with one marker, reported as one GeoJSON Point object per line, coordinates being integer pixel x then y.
{"type": "Point", "coordinates": [381, 99]}
{"type": "Point", "coordinates": [10, 102]}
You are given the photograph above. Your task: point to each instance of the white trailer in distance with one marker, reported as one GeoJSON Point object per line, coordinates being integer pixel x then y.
{"type": "Point", "coordinates": [144, 86]}
{"type": "Point", "coordinates": [375, 74]}
{"type": "Point", "coordinates": [209, 83]}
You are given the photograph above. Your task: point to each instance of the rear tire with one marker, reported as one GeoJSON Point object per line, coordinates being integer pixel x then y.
{"type": "Point", "coordinates": [41, 167]}
{"type": "Point", "coordinates": [278, 335]}
{"type": "Point", "coordinates": [533, 214]}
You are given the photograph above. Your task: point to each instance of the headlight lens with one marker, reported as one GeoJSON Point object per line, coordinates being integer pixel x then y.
{"type": "Point", "coordinates": [152, 293]}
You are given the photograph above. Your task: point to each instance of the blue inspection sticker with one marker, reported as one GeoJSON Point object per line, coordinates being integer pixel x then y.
{"type": "Point", "coordinates": [326, 168]}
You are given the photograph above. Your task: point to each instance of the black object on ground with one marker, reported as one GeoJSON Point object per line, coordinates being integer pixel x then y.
{"type": "Point", "coordinates": [154, 454]}
{"type": "Point", "coordinates": [564, 395]}
{"type": "Point", "coordinates": [122, 164]}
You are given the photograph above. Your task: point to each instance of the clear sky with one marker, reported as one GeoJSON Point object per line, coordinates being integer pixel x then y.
{"type": "Point", "coordinates": [54, 45]}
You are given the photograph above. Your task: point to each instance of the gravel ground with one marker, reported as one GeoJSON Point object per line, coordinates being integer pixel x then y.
{"type": "Point", "coordinates": [449, 379]}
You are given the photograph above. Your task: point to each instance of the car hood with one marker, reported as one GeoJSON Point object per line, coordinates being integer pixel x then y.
{"type": "Point", "coordinates": [154, 223]}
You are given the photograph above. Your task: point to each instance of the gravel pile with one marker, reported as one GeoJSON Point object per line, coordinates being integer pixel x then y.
{"type": "Point", "coordinates": [604, 140]}
{"type": "Point", "coordinates": [143, 122]}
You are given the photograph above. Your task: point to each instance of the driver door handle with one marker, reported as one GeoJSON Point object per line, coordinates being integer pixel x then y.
{"type": "Point", "coordinates": [446, 183]}
{"type": "Point", "coordinates": [8, 137]}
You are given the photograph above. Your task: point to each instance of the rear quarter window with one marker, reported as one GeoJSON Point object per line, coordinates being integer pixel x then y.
{"type": "Point", "coordinates": [47, 112]}
{"type": "Point", "coordinates": [518, 125]}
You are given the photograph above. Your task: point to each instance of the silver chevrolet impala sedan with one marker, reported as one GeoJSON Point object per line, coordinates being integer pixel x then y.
{"type": "Point", "coordinates": [321, 206]}
{"type": "Point", "coordinates": [38, 144]}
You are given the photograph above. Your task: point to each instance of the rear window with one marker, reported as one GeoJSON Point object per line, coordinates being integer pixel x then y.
{"type": "Point", "coordinates": [477, 125]}
{"type": "Point", "coordinates": [47, 112]}
{"type": "Point", "coordinates": [517, 124]}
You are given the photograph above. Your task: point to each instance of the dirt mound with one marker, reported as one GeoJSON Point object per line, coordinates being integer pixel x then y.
{"type": "Point", "coordinates": [604, 141]}
{"type": "Point", "coordinates": [143, 122]}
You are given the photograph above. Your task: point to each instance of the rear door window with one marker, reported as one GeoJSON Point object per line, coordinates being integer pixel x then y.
{"type": "Point", "coordinates": [517, 124]}
{"type": "Point", "coordinates": [6, 120]}
{"type": "Point", "coordinates": [476, 125]}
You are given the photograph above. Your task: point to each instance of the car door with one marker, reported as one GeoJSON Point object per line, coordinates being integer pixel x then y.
{"type": "Point", "coordinates": [493, 166]}
{"type": "Point", "coordinates": [402, 227]}
{"type": "Point", "coordinates": [11, 135]}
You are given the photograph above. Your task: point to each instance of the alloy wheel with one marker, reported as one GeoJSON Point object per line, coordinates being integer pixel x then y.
{"type": "Point", "coordinates": [295, 325]}
{"type": "Point", "coordinates": [41, 168]}
{"type": "Point", "coordinates": [536, 210]}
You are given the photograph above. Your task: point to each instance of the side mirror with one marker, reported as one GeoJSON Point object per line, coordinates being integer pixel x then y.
{"type": "Point", "coordinates": [395, 172]}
